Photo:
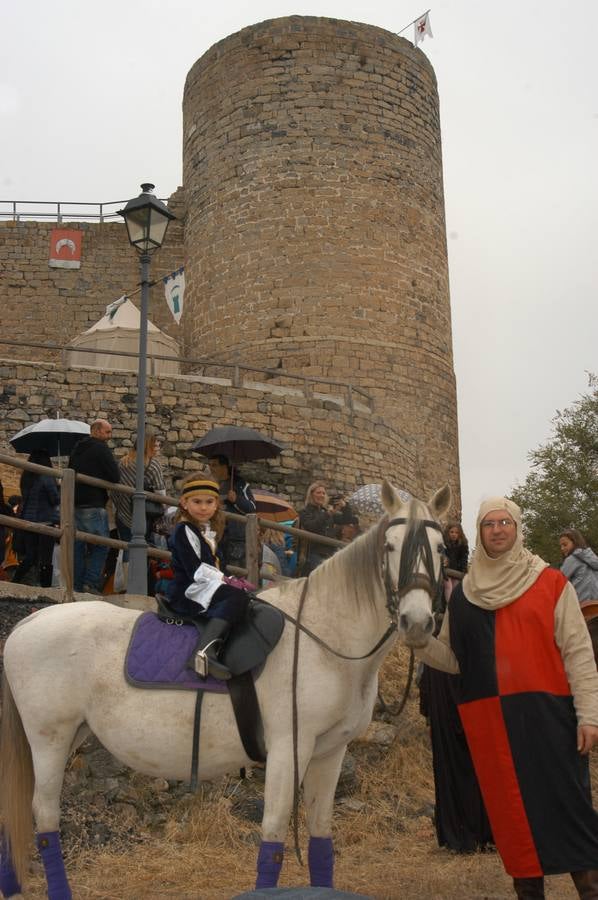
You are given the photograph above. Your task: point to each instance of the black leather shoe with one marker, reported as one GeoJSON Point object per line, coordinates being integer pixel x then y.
{"type": "Point", "coordinates": [212, 639]}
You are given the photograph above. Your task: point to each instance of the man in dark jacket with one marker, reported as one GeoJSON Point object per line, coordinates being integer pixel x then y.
{"type": "Point", "coordinates": [235, 497]}
{"type": "Point", "coordinates": [92, 456]}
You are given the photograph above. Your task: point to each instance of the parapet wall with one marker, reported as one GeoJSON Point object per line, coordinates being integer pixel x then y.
{"type": "Point", "coordinates": [40, 303]}
{"type": "Point", "coordinates": [322, 435]}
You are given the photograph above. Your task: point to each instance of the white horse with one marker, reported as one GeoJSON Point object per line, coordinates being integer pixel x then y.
{"type": "Point", "coordinates": [64, 677]}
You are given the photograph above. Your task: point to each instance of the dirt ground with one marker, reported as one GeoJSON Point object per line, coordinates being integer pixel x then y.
{"type": "Point", "coordinates": [206, 846]}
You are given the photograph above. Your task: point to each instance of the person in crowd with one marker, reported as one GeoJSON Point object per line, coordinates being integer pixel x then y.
{"type": "Point", "coordinates": [7, 558]}
{"type": "Point", "coordinates": [199, 589]}
{"type": "Point", "coordinates": [153, 481]}
{"type": "Point", "coordinates": [41, 500]}
{"type": "Point", "coordinates": [290, 549]}
{"type": "Point", "coordinates": [236, 497]}
{"type": "Point", "coordinates": [274, 551]}
{"type": "Point", "coordinates": [528, 700]}
{"type": "Point", "coordinates": [580, 564]}
{"type": "Point", "coordinates": [15, 501]}
{"type": "Point", "coordinates": [456, 547]}
{"type": "Point", "coordinates": [344, 517]}
{"type": "Point", "coordinates": [460, 816]}
{"type": "Point", "coordinates": [92, 456]}
{"type": "Point", "coordinates": [17, 537]}
{"type": "Point", "coordinates": [317, 518]}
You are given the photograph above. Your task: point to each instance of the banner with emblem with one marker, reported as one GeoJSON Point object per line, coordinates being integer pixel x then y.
{"type": "Point", "coordinates": [174, 290]}
{"type": "Point", "coordinates": [65, 248]}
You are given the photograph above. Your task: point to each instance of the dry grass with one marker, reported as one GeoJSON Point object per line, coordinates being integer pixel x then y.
{"type": "Point", "coordinates": [386, 850]}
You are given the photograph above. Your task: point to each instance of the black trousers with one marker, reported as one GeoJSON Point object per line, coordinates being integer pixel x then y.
{"type": "Point", "coordinates": [38, 550]}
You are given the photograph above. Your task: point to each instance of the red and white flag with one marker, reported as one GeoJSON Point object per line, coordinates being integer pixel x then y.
{"type": "Point", "coordinates": [422, 28]}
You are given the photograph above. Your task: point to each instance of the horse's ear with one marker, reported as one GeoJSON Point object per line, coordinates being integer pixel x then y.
{"type": "Point", "coordinates": [440, 502]}
{"type": "Point", "coordinates": [391, 500]}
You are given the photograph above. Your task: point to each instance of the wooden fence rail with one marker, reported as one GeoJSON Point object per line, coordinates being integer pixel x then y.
{"type": "Point", "coordinates": [66, 533]}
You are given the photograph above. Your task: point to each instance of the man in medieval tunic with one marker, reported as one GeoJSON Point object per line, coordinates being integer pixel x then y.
{"type": "Point", "coordinates": [528, 700]}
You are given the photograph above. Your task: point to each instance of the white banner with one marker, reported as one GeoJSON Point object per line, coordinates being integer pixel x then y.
{"type": "Point", "coordinates": [422, 28]}
{"type": "Point", "coordinates": [174, 290]}
{"type": "Point", "coordinates": [112, 307]}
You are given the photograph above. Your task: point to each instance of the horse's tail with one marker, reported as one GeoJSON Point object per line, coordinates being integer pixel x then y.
{"type": "Point", "coordinates": [16, 783]}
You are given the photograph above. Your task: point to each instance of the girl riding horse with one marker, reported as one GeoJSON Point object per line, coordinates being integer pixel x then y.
{"type": "Point", "coordinates": [199, 589]}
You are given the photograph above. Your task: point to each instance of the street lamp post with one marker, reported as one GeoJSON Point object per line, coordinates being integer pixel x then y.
{"type": "Point", "coordinates": [147, 220]}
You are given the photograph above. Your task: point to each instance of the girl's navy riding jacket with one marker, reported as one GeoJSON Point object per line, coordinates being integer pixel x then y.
{"type": "Point", "coordinates": [228, 602]}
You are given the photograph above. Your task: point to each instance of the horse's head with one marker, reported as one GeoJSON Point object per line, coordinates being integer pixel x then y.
{"type": "Point", "coordinates": [413, 548]}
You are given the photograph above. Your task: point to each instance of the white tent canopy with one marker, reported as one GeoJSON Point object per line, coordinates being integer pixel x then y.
{"type": "Point", "coordinates": [116, 331]}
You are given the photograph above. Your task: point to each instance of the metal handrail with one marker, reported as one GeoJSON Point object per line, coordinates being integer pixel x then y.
{"type": "Point", "coordinates": [58, 212]}
{"type": "Point", "coordinates": [308, 380]}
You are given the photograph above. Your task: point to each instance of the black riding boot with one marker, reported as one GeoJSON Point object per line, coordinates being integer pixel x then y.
{"type": "Point", "coordinates": [529, 888]}
{"type": "Point", "coordinates": [213, 636]}
{"type": "Point", "coordinates": [586, 884]}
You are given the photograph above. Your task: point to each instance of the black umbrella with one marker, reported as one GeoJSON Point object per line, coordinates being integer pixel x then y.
{"type": "Point", "coordinates": [56, 436]}
{"type": "Point", "coordinates": [238, 444]}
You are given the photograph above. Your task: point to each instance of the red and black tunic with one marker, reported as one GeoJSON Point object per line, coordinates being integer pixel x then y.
{"type": "Point", "coordinates": [517, 710]}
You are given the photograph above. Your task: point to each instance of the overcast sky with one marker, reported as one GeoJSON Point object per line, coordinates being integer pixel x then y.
{"type": "Point", "coordinates": [90, 106]}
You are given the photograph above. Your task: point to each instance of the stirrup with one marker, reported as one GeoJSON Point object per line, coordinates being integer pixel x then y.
{"type": "Point", "coordinates": [202, 662]}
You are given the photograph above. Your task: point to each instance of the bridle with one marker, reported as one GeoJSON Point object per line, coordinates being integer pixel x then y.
{"type": "Point", "coordinates": [415, 549]}
{"type": "Point", "coordinates": [416, 546]}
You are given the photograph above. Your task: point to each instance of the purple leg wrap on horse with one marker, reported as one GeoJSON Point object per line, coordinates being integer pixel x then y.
{"type": "Point", "coordinates": [9, 884]}
{"type": "Point", "coordinates": [48, 844]}
{"type": "Point", "coordinates": [269, 864]}
{"type": "Point", "coordinates": [320, 858]}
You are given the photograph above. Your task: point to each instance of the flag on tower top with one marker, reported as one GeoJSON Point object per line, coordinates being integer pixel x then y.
{"type": "Point", "coordinates": [422, 28]}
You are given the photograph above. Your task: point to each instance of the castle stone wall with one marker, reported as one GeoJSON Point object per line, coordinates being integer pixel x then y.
{"type": "Point", "coordinates": [322, 437]}
{"type": "Point", "coordinates": [311, 226]}
{"type": "Point", "coordinates": [315, 234]}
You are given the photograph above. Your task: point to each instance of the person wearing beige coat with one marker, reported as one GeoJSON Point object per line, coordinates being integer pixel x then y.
{"type": "Point", "coordinates": [528, 700]}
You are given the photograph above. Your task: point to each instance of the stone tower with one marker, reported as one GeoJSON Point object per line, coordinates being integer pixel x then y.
{"type": "Point", "coordinates": [315, 230]}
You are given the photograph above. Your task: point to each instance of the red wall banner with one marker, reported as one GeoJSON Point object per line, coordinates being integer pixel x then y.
{"type": "Point", "coordinates": [65, 248]}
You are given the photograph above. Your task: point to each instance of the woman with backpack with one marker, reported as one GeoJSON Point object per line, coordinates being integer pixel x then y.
{"type": "Point", "coordinates": [580, 564]}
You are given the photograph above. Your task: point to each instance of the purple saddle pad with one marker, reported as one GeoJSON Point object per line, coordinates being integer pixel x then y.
{"type": "Point", "coordinates": [158, 653]}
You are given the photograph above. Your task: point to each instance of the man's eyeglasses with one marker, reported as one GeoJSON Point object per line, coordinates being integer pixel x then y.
{"type": "Point", "coordinates": [490, 524]}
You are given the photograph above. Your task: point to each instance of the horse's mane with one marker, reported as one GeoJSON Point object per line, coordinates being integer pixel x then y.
{"type": "Point", "coordinates": [355, 571]}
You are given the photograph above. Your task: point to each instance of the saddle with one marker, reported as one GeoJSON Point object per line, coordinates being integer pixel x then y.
{"type": "Point", "coordinates": [249, 642]}
{"type": "Point", "coordinates": [162, 644]}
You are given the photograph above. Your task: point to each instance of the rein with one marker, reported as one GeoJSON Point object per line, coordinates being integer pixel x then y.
{"type": "Point", "coordinates": [296, 723]}
{"type": "Point", "coordinates": [415, 547]}
{"type": "Point", "coordinates": [318, 640]}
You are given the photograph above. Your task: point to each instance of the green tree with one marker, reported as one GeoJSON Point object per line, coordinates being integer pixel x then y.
{"type": "Point", "coordinates": [561, 490]}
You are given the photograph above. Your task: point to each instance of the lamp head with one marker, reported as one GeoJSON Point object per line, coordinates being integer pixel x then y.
{"type": "Point", "coordinates": [147, 219]}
